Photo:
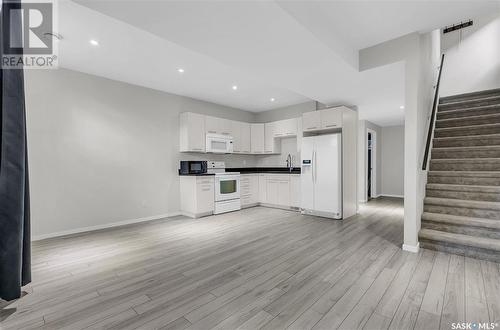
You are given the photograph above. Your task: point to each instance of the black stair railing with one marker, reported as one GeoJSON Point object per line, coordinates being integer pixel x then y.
{"type": "Point", "coordinates": [430, 132]}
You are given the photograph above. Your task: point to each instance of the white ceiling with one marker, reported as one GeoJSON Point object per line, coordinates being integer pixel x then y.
{"type": "Point", "coordinates": [291, 51]}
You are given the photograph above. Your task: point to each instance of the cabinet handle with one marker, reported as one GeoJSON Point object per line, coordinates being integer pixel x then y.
{"type": "Point", "coordinates": [197, 149]}
{"type": "Point", "coordinates": [312, 127]}
{"type": "Point", "coordinates": [225, 133]}
{"type": "Point", "coordinates": [331, 125]}
{"type": "Point", "coordinates": [206, 189]}
{"type": "Point", "coordinates": [211, 132]}
{"type": "Point", "coordinates": [289, 133]}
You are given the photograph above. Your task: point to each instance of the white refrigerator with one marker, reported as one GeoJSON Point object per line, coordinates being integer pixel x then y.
{"type": "Point", "coordinates": [321, 175]}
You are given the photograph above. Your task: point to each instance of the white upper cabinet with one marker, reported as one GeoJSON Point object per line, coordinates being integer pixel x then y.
{"type": "Point", "coordinates": [322, 119]}
{"type": "Point", "coordinates": [192, 132]}
{"type": "Point", "coordinates": [331, 118]}
{"type": "Point", "coordinates": [241, 137]}
{"type": "Point", "coordinates": [257, 138]}
{"type": "Point", "coordinates": [287, 127]}
{"type": "Point", "coordinates": [311, 121]}
{"type": "Point", "coordinates": [218, 125]}
{"type": "Point", "coordinates": [245, 137]}
{"type": "Point", "coordinates": [271, 144]}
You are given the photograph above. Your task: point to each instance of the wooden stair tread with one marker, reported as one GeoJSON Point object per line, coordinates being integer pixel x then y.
{"type": "Point", "coordinates": [477, 174]}
{"type": "Point", "coordinates": [462, 187]}
{"type": "Point", "coordinates": [458, 220]}
{"type": "Point", "coordinates": [474, 137]}
{"type": "Point", "coordinates": [486, 116]}
{"type": "Point", "coordinates": [460, 239]}
{"type": "Point", "coordinates": [462, 203]}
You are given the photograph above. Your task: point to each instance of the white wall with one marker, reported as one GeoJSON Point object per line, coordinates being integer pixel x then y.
{"type": "Point", "coordinates": [363, 126]}
{"type": "Point", "coordinates": [474, 63]}
{"type": "Point", "coordinates": [102, 151]}
{"type": "Point", "coordinates": [419, 55]}
{"type": "Point", "coordinates": [292, 111]}
{"type": "Point", "coordinates": [392, 161]}
{"type": "Point", "coordinates": [288, 145]}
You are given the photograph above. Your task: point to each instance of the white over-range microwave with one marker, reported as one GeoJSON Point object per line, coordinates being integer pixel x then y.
{"type": "Point", "coordinates": [219, 144]}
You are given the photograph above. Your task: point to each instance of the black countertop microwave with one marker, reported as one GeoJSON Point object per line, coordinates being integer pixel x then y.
{"type": "Point", "coordinates": [193, 167]}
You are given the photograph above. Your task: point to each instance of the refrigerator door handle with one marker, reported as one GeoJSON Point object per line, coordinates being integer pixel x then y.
{"type": "Point", "coordinates": [313, 165]}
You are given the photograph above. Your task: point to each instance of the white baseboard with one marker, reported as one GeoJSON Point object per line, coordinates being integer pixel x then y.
{"type": "Point", "coordinates": [411, 248]}
{"type": "Point", "coordinates": [389, 195]}
{"type": "Point", "coordinates": [104, 226]}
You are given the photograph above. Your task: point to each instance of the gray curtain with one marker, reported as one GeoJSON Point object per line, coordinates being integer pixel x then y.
{"type": "Point", "coordinates": [15, 245]}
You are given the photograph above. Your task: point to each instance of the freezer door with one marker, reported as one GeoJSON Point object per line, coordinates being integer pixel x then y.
{"type": "Point", "coordinates": [327, 170]}
{"type": "Point", "coordinates": [306, 173]}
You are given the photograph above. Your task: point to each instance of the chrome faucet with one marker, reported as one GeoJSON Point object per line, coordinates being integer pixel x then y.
{"type": "Point", "coordinates": [289, 162]}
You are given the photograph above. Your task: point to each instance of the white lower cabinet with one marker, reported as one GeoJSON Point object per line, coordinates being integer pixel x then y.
{"type": "Point", "coordinates": [262, 188]}
{"type": "Point", "coordinates": [278, 189]}
{"type": "Point", "coordinates": [295, 190]}
{"type": "Point", "coordinates": [249, 189]}
{"type": "Point", "coordinates": [197, 195]}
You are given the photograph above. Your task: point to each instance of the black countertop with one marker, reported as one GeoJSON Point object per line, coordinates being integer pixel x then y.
{"type": "Point", "coordinates": [273, 170]}
{"type": "Point", "coordinates": [255, 170]}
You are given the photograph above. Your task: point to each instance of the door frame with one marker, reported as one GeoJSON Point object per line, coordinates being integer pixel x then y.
{"type": "Point", "coordinates": [373, 187]}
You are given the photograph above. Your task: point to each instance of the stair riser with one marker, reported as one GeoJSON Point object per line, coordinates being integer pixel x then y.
{"type": "Point", "coordinates": [464, 230]}
{"type": "Point", "coordinates": [453, 165]}
{"type": "Point", "coordinates": [466, 195]}
{"type": "Point", "coordinates": [476, 181]}
{"type": "Point", "coordinates": [467, 212]}
{"type": "Point", "coordinates": [467, 113]}
{"type": "Point", "coordinates": [461, 250]}
{"type": "Point", "coordinates": [466, 142]}
{"type": "Point", "coordinates": [467, 122]}
{"type": "Point", "coordinates": [468, 104]}
{"type": "Point", "coordinates": [471, 96]}
{"type": "Point", "coordinates": [466, 131]}
{"type": "Point", "coordinates": [441, 154]}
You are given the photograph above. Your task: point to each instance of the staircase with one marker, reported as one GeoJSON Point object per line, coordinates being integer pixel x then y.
{"type": "Point", "coordinates": [462, 203]}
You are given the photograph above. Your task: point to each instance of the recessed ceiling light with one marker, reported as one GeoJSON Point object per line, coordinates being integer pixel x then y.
{"type": "Point", "coordinates": [402, 107]}
{"type": "Point", "coordinates": [94, 42]}
{"type": "Point", "coordinates": [180, 70]}
{"type": "Point", "coordinates": [235, 87]}
{"type": "Point", "coordinates": [272, 99]}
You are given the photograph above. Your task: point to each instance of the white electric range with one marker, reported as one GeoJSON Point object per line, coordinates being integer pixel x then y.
{"type": "Point", "coordinates": [227, 188]}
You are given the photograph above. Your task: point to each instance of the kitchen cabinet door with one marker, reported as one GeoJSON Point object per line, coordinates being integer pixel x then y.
{"type": "Point", "coordinates": [311, 121]}
{"type": "Point", "coordinates": [289, 127]}
{"type": "Point", "coordinates": [272, 192]}
{"type": "Point", "coordinates": [299, 134]}
{"type": "Point", "coordinates": [257, 138]}
{"type": "Point", "coordinates": [331, 118]}
{"type": "Point", "coordinates": [245, 137]}
{"type": "Point", "coordinates": [237, 137]}
{"type": "Point", "coordinates": [212, 125]}
{"type": "Point", "coordinates": [192, 132]}
{"type": "Point", "coordinates": [283, 193]}
{"type": "Point", "coordinates": [271, 145]}
{"type": "Point", "coordinates": [295, 190]}
{"type": "Point", "coordinates": [226, 127]}
{"type": "Point", "coordinates": [205, 196]}
{"type": "Point", "coordinates": [263, 188]}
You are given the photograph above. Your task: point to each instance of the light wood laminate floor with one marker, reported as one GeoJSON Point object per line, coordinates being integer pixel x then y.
{"type": "Point", "coordinates": [258, 268]}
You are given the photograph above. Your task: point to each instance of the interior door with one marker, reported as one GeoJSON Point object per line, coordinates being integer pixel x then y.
{"type": "Point", "coordinates": [327, 174]}
{"type": "Point", "coordinates": [306, 174]}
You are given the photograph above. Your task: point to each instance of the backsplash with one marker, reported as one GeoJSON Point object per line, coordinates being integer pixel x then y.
{"type": "Point", "coordinates": [288, 146]}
